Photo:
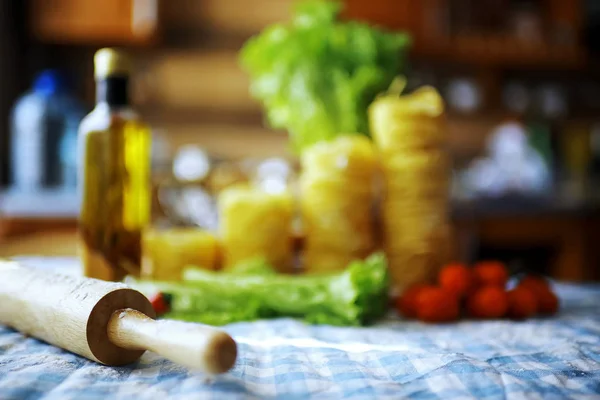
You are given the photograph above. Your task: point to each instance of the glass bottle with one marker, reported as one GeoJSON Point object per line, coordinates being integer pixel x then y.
{"type": "Point", "coordinates": [114, 155]}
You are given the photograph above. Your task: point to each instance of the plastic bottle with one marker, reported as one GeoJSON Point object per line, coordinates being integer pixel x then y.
{"type": "Point", "coordinates": [43, 131]}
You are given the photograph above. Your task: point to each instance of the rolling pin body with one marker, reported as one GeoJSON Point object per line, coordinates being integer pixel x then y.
{"type": "Point", "coordinates": [104, 321]}
{"type": "Point", "coordinates": [67, 311]}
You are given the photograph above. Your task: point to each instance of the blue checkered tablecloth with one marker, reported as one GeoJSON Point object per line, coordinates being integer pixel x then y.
{"type": "Point", "coordinates": [553, 358]}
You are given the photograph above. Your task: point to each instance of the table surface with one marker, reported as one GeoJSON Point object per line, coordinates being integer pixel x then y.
{"type": "Point", "coordinates": [548, 358]}
{"type": "Point", "coordinates": [53, 243]}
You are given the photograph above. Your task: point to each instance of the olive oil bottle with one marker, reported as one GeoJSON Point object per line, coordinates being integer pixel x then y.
{"type": "Point", "coordinates": [114, 150]}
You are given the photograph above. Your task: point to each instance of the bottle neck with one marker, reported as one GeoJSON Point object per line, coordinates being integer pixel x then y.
{"type": "Point", "coordinates": [113, 91]}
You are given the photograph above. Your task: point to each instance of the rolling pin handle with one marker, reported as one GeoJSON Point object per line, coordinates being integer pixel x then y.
{"type": "Point", "coordinates": [193, 345]}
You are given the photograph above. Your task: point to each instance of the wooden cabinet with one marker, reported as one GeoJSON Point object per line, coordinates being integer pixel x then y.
{"type": "Point", "coordinates": [489, 33]}
{"type": "Point", "coordinates": [423, 19]}
{"type": "Point", "coordinates": [105, 22]}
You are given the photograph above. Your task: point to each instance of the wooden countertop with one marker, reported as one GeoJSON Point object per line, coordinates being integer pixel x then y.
{"type": "Point", "coordinates": [54, 243]}
{"type": "Point", "coordinates": [576, 255]}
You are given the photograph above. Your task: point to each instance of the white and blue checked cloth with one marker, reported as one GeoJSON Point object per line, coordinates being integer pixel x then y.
{"type": "Point", "coordinates": [554, 358]}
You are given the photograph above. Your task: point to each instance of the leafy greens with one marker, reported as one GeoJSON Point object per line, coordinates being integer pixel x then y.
{"type": "Point", "coordinates": [355, 296]}
{"type": "Point", "coordinates": [316, 76]}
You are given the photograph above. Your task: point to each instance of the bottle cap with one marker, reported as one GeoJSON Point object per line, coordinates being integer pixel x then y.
{"type": "Point", "coordinates": [111, 62]}
{"type": "Point", "coordinates": [50, 82]}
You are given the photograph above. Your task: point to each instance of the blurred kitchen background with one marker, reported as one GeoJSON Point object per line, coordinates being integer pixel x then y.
{"type": "Point", "coordinates": [521, 79]}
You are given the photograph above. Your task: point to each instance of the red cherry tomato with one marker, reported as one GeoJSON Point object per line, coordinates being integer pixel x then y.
{"type": "Point", "coordinates": [160, 303]}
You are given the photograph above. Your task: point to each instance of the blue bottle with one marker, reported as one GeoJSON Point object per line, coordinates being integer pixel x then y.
{"type": "Point", "coordinates": [44, 134]}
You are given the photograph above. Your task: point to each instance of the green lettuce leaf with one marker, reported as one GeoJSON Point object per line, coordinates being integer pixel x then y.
{"type": "Point", "coordinates": [355, 296]}
{"type": "Point", "coordinates": [316, 75]}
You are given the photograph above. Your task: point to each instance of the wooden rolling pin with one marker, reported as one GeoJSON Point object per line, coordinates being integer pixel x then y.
{"type": "Point", "coordinates": [104, 321]}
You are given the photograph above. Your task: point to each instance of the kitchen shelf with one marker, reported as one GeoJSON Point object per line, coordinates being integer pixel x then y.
{"type": "Point", "coordinates": [504, 53]}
